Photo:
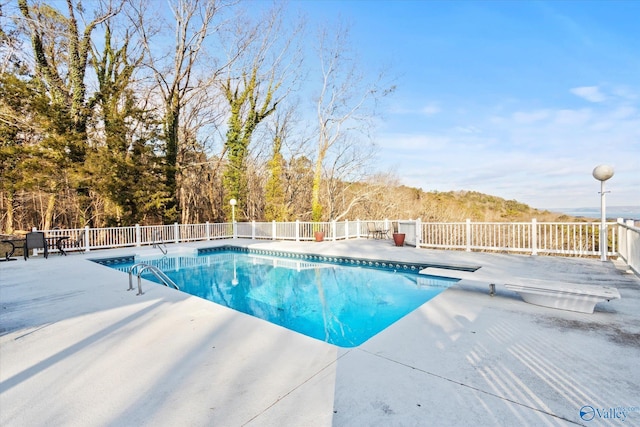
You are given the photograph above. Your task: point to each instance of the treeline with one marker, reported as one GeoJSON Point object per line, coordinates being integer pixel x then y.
{"type": "Point", "coordinates": [120, 112]}
{"type": "Point", "coordinates": [116, 112]}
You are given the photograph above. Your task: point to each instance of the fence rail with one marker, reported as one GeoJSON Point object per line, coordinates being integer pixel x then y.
{"type": "Point", "coordinates": [544, 238]}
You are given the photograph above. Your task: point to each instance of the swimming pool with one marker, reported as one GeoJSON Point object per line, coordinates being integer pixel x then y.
{"type": "Point", "coordinates": [340, 301]}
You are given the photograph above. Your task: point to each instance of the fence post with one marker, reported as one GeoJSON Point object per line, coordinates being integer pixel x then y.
{"type": "Point", "coordinates": [534, 237]}
{"type": "Point", "coordinates": [297, 230]}
{"type": "Point", "coordinates": [206, 224]}
{"type": "Point", "coordinates": [87, 248]}
{"type": "Point", "coordinates": [253, 229]}
{"type": "Point", "coordinates": [346, 229]}
{"type": "Point", "coordinates": [138, 235]}
{"type": "Point", "coordinates": [468, 232]}
{"type": "Point", "coordinates": [418, 232]}
{"type": "Point", "coordinates": [619, 230]}
{"type": "Point", "coordinates": [627, 231]}
{"type": "Point", "coordinates": [176, 232]}
{"type": "Point", "coordinates": [334, 229]}
{"type": "Point", "coordinates": [274, 230]}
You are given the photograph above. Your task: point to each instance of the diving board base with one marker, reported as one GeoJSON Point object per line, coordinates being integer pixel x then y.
{"type": "Point", "coordinates": [580, 298]}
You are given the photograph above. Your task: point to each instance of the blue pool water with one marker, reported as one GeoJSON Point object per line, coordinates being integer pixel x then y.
{"type": "Point", "coordinates": [340, 304]}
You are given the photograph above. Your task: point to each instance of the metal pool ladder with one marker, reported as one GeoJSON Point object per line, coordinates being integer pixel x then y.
{"type": "Point", "coordinates": [141, 267]}
{"type": "Point", "coordinates": [158, 242]}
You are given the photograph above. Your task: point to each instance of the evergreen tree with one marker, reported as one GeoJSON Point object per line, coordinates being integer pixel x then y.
{"type": "Point", "coordinates": [122, 168]}
{"type": "Point", "coordinates": [275, 206]}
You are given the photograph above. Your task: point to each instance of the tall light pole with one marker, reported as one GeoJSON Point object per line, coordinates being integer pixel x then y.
{"type": "Point", "coordinates": [603, 173]}
{"type": "Point", "coordinates": [233, 203]}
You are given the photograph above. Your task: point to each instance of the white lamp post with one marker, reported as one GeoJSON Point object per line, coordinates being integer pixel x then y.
{"type": "Point", "coordinates": [233, 203]}
{"type": "Point", "coordinates": [603, 173]}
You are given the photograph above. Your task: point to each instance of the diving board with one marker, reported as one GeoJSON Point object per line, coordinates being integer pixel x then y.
{"type": "Point", "coordinates": [564, 296]}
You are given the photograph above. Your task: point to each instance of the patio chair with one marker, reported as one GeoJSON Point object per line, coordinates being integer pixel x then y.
{"type": "Point", "coordinates": [35, 240]}
{"type": "Point", "coordinates": [372, 230]}
{"type": "Point", "coordinates": [378, 232]}
{"type": "Point", "coordinates": [79, 242]}
{"type": "Point", "coordinates": [383, 233]}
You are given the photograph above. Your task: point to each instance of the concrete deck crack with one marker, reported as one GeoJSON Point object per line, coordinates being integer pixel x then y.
{"type": "Point", "coordinates": [473, 388]}
{"type": "Point", "coordinates": [333, 362]}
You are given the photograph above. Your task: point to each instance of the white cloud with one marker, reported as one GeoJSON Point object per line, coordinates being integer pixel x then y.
{"type": "Point", "coordinates": [530, 117]}
{"type": "Point", "coordinates": [624, 112]}
{"type": "Point", "coordinates": [430, 109]}
{"type": "Point", "coordinates": [590, 93]}
{"type": "Point", "coordinates": [467, 129]}
{"type": "Point", "coordinates": [625, 93]}
{"type": "Point", "coordinates": [411, 142]}
{"type": "Point", "coordinates": [573, 117]}
{"type": "Point", "coordinates": [542, 157]}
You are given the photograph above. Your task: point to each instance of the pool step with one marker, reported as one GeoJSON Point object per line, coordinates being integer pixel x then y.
{"type": "Point", "coordinates": [183, 250]}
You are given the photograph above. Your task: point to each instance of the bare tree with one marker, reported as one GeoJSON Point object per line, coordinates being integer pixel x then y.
{"type": "Point", "coordinates": [276, 206]}
{"type": "Point", "coordinates": [179, 75]}
{"type": "Point", "coordinates": [345, 108]}
{"type": "Point", "coordinates": [12, 52]}
{"type": "Point", "coordinates": [264, 73]}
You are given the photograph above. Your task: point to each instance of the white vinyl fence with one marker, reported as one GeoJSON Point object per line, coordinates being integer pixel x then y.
{"type": "Point", "coordinates": [535, 238]}
{"type": "Point", "coordinates": [629, 244]}
{"type": "Point", "coordinates": [579, 238]}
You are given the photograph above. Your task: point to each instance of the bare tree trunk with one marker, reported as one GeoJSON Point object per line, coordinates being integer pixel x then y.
{"type": "Point", "coordinates": [9, 213]}
{"type": "Point", "coordinates": [48, 215]}
{"type": "Point", "coordinates": [345, 108]}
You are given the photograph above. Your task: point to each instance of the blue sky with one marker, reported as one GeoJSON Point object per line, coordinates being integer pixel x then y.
{"type": "Point", "coordinates": [516, 99]}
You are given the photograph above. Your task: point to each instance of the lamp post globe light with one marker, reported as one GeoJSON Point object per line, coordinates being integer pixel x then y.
{"type": "Point", "coordinates": [603, 173]}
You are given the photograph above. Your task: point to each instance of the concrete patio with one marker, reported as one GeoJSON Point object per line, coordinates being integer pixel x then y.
{"type": "Point", "coordinates": [76, 349]}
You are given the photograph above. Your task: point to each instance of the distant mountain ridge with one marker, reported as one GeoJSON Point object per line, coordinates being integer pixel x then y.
{"type": "Point", "coordinates": [436, 206]}
{"type": "Point", "coordinates": [612, 212]}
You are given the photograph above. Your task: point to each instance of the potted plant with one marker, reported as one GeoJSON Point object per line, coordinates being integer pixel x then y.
{"type": "Point", "coordinates": [316, 217]}
{"type": "Point", "coordinates": [317, 232]}
{"type": "Point", "coordinates": [398, 239]}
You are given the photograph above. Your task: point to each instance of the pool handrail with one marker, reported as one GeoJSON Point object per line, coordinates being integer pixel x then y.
{"type": "Point", "coordinates": [158, 242]}
{"type": "Point", "coordinates": [141, 267]}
